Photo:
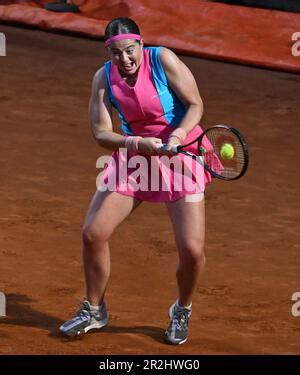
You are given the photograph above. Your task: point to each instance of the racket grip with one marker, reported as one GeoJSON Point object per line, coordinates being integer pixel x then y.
{"type": "Point", "coordinates": [174, 149]}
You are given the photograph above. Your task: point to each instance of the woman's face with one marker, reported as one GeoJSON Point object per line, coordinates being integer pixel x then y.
{"type": "Point", "coordinates": [127, 55]}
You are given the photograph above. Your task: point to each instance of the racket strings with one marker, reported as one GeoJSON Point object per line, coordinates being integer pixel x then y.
{"type": "Point", "coordinates": [230, 167]}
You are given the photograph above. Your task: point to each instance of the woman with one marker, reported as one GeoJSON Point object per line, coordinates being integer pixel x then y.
{"type": "Point", "coordinates": [159, 104]}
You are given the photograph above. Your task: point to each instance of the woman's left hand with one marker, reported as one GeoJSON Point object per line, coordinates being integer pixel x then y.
{"type": "Point", "coordinates": [168, 149]}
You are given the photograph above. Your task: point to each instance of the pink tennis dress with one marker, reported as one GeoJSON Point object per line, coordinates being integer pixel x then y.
{"type": "Point", "coordinates": [150, 108]}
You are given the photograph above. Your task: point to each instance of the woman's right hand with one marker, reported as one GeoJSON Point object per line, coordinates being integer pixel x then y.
{"type": "Point", "coordinates": [150, 145]}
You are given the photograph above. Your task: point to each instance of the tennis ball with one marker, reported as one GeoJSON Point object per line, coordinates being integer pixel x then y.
{"type": "Point", "coordinates": [227, 151]}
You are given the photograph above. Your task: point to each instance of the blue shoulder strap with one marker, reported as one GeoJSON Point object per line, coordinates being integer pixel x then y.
{"type": "Point", "coordinates": [173, 108]}
{"type": "Point", "coordinates": [158, 72]}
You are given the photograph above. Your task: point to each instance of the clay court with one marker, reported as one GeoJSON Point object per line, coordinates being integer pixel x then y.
{"type": "Point", "coordinates": [48, 176]}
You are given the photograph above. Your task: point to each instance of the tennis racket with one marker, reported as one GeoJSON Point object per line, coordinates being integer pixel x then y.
{"type": "Point", "coordinates": [221, 150]}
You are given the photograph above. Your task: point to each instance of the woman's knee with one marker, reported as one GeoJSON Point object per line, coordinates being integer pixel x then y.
{"type": "Point", "coordinates": [192, 252]}
{"type": "Point", "coordinates": [92, 235]}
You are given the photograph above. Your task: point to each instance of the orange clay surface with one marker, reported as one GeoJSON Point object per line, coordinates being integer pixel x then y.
{"type": "Point", "coordinates": [48, 173]}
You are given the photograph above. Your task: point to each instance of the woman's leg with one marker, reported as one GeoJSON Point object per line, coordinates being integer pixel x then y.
{"type": "Point", "coordinates": [188, 220]}
{"type": "Point", "coordinates": [107, 210]}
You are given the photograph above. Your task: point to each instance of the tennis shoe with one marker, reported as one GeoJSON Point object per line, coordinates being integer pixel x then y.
{"type": "Point", "coordinates": [85, 319]}
{"type": "Point", "coordinates": [177, 331]}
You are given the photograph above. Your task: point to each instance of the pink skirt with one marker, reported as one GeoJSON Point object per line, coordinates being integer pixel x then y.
{"type": "Point", "coordinates": [155, 178]}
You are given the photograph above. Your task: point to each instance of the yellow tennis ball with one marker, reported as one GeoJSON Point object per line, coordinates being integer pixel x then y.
{"type": "Point", "coordinates": [227, 151]}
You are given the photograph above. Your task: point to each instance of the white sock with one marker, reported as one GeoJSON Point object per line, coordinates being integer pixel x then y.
{"type": "Point", "coordinates": [95, 307]}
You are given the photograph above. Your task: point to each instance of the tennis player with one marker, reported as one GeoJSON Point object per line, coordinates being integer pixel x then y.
{"type": "Point", "coordinates": [158, 103]}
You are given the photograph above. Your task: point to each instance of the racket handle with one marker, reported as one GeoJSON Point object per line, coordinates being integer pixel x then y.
{"type": "Point", "coordinates": [174, 149]}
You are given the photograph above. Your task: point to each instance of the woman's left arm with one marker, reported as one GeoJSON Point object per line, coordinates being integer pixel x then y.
{"type": "Point", "coordinates": [183, 83]}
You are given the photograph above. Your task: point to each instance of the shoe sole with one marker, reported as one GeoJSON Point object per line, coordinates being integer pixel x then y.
{"type": "Point", "coordinates": [168, 341]}
{"type": "Point", "coordinates": [97, 325]}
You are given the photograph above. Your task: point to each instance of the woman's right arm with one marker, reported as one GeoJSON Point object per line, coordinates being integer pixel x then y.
{"type": "Point", "coordinates": [100, 114]}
